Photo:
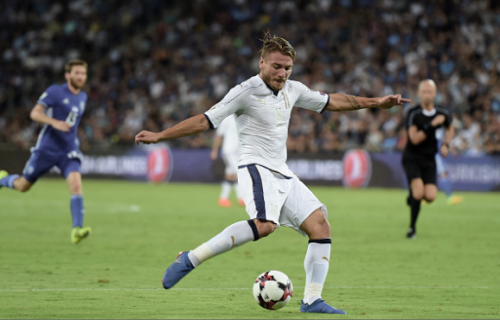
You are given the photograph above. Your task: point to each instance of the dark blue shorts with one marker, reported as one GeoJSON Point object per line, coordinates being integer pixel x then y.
{"type": "Point", "coordinates": [39, 163]}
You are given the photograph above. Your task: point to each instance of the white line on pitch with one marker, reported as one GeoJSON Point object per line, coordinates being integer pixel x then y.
{"type": "Point", "coordinates": [95, 206]}
{"type": "Point", "coordinates": [228, 289]}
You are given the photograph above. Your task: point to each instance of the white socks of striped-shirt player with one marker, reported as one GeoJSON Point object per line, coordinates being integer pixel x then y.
{"type": "Point", "coordinates": [316, 265]}
{"type": "Point", "coordinates": [235, 235]}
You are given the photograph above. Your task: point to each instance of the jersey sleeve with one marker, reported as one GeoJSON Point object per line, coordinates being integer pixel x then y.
{"type": "Point", "coordinates": [447, 121]}
{"type": "Point", "coordinates": [410, 118]}
{"type": "Point", "coordinates": [310, 99]}
{"type": "Point", "coordinates": [84, 102]}
{"type": "Point", "coordinates": [233, 101]}
{"type": "Point", "coordinates": [47, 98]}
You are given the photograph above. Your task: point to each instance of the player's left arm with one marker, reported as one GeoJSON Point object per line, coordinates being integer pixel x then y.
{"type": "Point", "coordinates": [38, 114]}
{"type": "Point", "coordinates": [190, 126]}
{"type": "Point", "coordinates": [344, 102]}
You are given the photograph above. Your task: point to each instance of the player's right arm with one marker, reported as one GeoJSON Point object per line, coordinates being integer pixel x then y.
{"type": "Point", "coordinates": [190, 126]}
{"type": "Point", "coordinates": [199, 123]}
{"type": "Point", "coordinates": [38, 114]}
{"type": "Point", "coordinates": [46, 100]}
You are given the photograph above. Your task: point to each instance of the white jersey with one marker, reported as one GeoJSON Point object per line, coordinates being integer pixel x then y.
{"type": "Point", "coordinates": [262, 119]}
{"type": "Point", "coordinates": [227, 130]}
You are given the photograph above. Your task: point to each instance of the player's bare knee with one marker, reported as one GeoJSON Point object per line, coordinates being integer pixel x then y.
{"type": "Point", "coordinates": [418, 195]}
{"type": "Point", "coordinates": [75, 189]}
{"type": "Point", "coordinates": [316, 226]}
{"type": "Point", "coordinates": [75, 186]}
{"type": "Point", "coordinates": [265, 228]}
{"type": "Point", "coordinates": [324, 226]}
{"type": "Point", "coordinates": [321, 231]}
{"type": "Point", "coordinates": [430, 198]}
{"type": "Point", "coordinates": [24, 187]}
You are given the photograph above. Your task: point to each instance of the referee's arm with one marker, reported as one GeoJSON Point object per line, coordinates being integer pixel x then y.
{"type": "Point", "coordinates": [417, 136]}
{"type": "Point", "coordinates": [448, 135]}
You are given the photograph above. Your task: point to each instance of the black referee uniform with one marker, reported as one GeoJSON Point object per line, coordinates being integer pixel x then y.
{"type": "Point", "coordinates": [419, 160]}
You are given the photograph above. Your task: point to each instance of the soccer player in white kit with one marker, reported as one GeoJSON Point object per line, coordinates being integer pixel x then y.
{"type": "Point", "coordinates": [273, 194]}
{"type": "Point", "coordinates": [227, 137]}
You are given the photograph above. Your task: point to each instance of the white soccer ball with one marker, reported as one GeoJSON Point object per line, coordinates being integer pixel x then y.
{"type": "Point", "coordinates": [273, 290]}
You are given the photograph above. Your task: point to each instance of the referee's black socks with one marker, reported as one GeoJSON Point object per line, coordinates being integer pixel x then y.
{"type": "Point", "coordinates": [409, 197]}
{"type": "Point", "coordinates": [415, 210]}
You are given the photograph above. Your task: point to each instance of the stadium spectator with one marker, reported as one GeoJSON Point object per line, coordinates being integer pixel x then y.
{"type": "Point", "coordinates": [179, 55]}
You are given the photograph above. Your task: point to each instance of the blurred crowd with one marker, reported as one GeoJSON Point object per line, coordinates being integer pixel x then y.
{"type": "Point", "coordinates": [154, 63]}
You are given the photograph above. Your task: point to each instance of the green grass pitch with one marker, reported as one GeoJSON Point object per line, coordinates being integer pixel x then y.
{"type": "Point", "coordinates": [452, 269]}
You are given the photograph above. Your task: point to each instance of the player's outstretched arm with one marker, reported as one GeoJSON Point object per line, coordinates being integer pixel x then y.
{"type": "Point", "coordinates": [344, 102]}
{"type": "Point", "coordinates": [38, 114]}
{"type": "Point", "coordinates": [187, 127]}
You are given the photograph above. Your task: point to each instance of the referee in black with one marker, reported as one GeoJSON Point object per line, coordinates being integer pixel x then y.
{"type": "Point", "coordinates": [418, 156]}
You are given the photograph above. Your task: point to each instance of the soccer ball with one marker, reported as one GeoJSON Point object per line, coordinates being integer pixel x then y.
{"type": "Point", "coordinates": [273, 290]}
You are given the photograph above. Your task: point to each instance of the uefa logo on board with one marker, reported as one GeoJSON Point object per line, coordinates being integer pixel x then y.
{"type": "Point", "coordinates": [357, 168]}
{"type": "Point", "coordinates": [160, 164]}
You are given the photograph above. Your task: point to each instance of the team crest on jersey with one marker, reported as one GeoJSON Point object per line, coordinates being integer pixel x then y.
{"type": "Point", "coordinates": [66, 101]}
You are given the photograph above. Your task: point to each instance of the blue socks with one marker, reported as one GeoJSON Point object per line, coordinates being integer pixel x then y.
{"type": "Point", "coordinates": [77, 210]}
{"type": "Point", "coordinates": [8, 181]}
{"type": "Point", "coordinates": [445, 185]}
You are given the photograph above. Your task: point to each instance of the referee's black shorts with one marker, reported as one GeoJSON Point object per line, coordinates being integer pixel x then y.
{"type": "Point", "coordinates": [418, 167]}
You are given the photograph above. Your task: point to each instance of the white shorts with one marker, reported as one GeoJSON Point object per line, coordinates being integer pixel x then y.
{"type": "Point", "coordinates": [270, 196]}
{"type": "Point", "coordinates": [231, 162]}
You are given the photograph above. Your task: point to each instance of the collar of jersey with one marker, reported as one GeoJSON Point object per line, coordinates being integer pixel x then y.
{"type": "Point", "coordinates": [65, 85]}
{"type": "Point", "coordinates": [264, 90]}
{"type": "Point", "coordinates": [429, 113]}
